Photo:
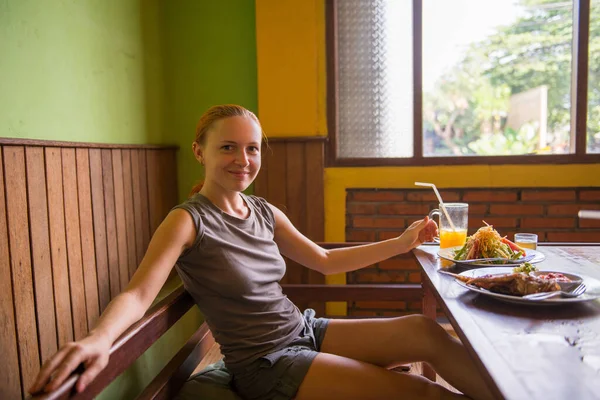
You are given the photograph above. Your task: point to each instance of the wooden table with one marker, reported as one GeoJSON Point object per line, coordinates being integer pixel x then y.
{"type": "Point", "coordinates": [525, 352]}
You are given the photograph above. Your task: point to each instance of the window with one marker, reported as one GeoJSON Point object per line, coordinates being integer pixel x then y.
{"type": "Point", "coordinates": [463, 81]}
{"type": "Point", "coordinates": [593, 113]}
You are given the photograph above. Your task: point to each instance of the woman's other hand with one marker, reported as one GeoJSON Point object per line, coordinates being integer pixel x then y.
{"type": "Point", "coordinates": [92, 351]}
{"type": "Point", "coordinates": [418, 232]}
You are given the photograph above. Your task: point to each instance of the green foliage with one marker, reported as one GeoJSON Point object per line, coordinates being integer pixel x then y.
{"type": "Point", "coordinates": [510, 142]}
{"type": "Point", "coordinates": [467, 110]}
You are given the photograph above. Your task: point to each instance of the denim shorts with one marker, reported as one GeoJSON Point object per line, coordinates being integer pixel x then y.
{"type": "Point", "coordinates": [278, 375]}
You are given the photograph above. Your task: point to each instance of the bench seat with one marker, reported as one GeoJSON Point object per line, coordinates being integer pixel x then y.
{"type": "Point", "coordinates": [201, 350]}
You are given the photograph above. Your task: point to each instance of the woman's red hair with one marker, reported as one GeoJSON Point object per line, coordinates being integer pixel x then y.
{"type": "Point", "coordinates": [208, 119]}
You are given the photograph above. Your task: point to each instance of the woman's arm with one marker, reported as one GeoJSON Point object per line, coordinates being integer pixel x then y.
{"type": "Point", "coordinates": [175, 233]}
{"type": "Point", "coordinates": [299, 248]}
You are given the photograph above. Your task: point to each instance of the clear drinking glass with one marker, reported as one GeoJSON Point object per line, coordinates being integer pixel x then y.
{"type": "Point", "coordinates": [459, 214]}
{"type": "Point", "coordinates": [526, 240]}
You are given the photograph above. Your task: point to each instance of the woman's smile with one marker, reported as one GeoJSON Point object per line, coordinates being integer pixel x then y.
{"type": "Point", "coordinates": [241, 175]}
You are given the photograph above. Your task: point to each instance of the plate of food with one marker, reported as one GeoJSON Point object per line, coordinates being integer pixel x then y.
{"type": "Point", "coordinates": [486, 247]}
{"type": "Point", "coordinates": [510, 285]}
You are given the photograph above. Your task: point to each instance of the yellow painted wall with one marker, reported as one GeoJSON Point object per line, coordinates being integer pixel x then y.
{"type": "Point", "coordinates": [292, 102]}
{"type": "Point", "coordinates": [290, 50]}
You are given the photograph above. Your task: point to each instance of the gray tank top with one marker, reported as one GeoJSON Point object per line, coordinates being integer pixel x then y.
{"type": "Point", "coordinates": [233, 271]}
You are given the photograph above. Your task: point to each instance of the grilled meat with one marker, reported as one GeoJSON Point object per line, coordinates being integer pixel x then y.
{"type": "Point", "coordinates": [517, 284]}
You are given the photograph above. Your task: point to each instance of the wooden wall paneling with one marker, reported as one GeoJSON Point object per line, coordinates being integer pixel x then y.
{"type": "Point", "coordinates": [111, 223]}
{"type": "Point", "coordinates": [78, 307]}
{"type": "Point", "coordinates": [60, 271]}
{"type": "Point", "coordinates": [276, 176]}
{"type": "Point", "coordinates": [315, 207]}
{"type": "Point", "coordinates": [155, 196]}
{"type": "Point", "coordinates": [295, 182]}
{"type": "Point", "coordinates": [276, 184]}
{"type": "Point", "coordinates": [144, 202]}
{"type": "Point", "coordinates": [315, 193]}
{"type": "Point", "coordinates": [129, 213]}
{"type": "Point", "coordinates": [261, 180]}
{"type": "Point", "coordinates": [99, 223]}
{"type": "Point", "coordinates": [40, 251]}
{"type": "Point", "coordinates": [169, 177]}
{"type": "Point", "coordinates": [20, 257]}
{"type": "Point", "coordinates": [86, 228]}
{"type": "Point", "coordinates": [137, 204]}
{"type": "Point", "coordinates": [117, 162]}
{"type": "Point", "coordinates": [10, 382]}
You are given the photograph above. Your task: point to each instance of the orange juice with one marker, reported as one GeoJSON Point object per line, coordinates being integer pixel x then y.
{"type": "Point", "coordinates": [452, 238]}
{"type": "Point", "coordinates": [527, 245]}
{"type": "Point", "coordinates": [526, 240]}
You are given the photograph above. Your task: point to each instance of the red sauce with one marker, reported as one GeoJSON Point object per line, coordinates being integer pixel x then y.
{"type": "Point", "coordinates": [556, 276]}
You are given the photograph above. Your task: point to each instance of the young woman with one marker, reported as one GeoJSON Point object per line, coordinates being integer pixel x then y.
{"type": "Point", "coordinates": [227, 249]}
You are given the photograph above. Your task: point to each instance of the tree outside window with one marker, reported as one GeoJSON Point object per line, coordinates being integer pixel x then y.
{"type": "Point", "coordinates": [496, 78]}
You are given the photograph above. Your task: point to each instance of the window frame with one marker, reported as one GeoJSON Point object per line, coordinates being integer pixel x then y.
{"type": "Point", "coordinates": [579, 91]}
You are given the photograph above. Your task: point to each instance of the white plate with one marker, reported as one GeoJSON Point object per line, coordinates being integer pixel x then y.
{"type": "Point", "coordinates": [592, 292]}
{"type": "Point", "coordinates": [448, 254]}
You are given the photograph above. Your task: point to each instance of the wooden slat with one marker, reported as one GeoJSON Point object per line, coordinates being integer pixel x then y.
{"type": "Point", "coordinates": [155, 189]}
{"type": "Point", "coordinates": [40, 251]}
{"type": "Point", "coordinates": [137, 205]}
{"type": "Point", "coordinates": [129, 346]}
{"type": "Point", "coordinates": [276, 178]}
{"type": "Point", "coordinates": [169, 177]}
{"type": "Point", "coordinates": [295, 193]}
{"type": "Point", "coordinates": [60, 272]}
{"type": "Point", "coordinates": [212, 356]}
{"type": "Point", "coordinates": [111, 223]}
{"type": "Point", "coordinates": [10, 382]}
{"type": "Point", "coordinates": [429, 310]}
{"type": "Point", "coordinates": [99, 217]}
{"type": "Point", "coordinates": [144, 202]}
{"type": "Point", "coordinates": [261, 181]}
{"type": "Point", "coordinates": [296, 202]}
{"type": "Point", "coordinates": [276, 193]}
{"type": "Point", "coordinates": [87, 236]}
{"type": "Point", "coordinates": [117, 162]}
{"type": "Point", "coordinates": [314, 160]}
{"type": "Point", "coordinates": [78, 307]}
{"type": "Point", "coordinates": [60, 143]}
{"type": "Point", "coordinates": [129, 213]}
{"type": "Point", "coordinates": [315, 198]}
{"type": "Point", "coordinates": [20, 258]}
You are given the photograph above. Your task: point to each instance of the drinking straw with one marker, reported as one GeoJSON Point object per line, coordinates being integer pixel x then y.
{"type": "Point", "coordinates": [591, 214]}
{"type": "Point", "coordinates": [442, 206]}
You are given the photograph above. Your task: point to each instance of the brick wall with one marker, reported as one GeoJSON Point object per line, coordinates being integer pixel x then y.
{"type": "Point", "coordinates": [376, 214]}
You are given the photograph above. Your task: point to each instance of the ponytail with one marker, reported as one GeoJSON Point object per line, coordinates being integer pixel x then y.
{"type": "Point", "coordinates": [196, 189]}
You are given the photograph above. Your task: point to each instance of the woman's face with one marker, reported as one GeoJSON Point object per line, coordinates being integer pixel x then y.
{"type": "Point", "coordinates": [231, 153]}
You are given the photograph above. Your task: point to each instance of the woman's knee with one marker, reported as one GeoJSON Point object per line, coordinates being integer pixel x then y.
{"type": "Point", "coordinates": [431, 334]}
{"type": "Point", "coordinates": [421, 324]}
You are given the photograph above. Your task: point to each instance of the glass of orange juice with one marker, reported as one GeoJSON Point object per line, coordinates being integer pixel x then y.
{"type": "Point", "coordinates": [526, 240]}
{"type": "Point", "coordinates": [459, 214]}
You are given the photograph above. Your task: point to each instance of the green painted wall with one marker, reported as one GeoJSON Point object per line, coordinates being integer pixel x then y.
{"type": "Point", "coordinates": [209, 49]}
{"type": "Point", "coordinates": [126, 71]}
{"type": "Point", "coordinates": [80, 71]}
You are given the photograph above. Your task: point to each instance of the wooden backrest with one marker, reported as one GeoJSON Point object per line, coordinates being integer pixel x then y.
{"type": "Point", "coordinates": [163, 315]}
{"type": "Point", "coordinates": [135, 341]}
{"type": "Point", "coordinates": [75, 220]}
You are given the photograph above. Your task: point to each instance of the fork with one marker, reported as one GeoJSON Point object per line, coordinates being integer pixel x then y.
{"type": "Point", "coordinates": [578, 291]}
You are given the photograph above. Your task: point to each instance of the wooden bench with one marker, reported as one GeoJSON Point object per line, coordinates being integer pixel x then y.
{"type": "Point", "coordinates": [201, 344]}
{"type": "Point", "coordinates": [75, 219]}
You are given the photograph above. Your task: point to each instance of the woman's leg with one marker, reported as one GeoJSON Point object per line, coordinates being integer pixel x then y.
{"type": "Point", "coordinates": [334, 377]}
{"type": "Point", "coordinates": [388, 342]}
